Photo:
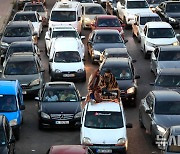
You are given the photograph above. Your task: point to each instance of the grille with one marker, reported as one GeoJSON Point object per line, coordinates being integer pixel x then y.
{"type": "Point", "coordinates": [69, 72]}
{"type": "Point", "coordinates": [105, 145]}
{"type": "Point", "coordinates": [62, 116]}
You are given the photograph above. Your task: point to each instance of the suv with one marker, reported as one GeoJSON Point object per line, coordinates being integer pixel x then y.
{"type": "Point", "coordinates": [11, 104]}
{"type": "Point", "coordinates": [59, 105]}
{"type": "Point", "coordinates": [27, 68]}
{"type": "Point", "coordinates": [7, 142]}
{"type": "Point", "coordinates": [17, 31]}
{"type": "Point", "coordinates": [127, 83]}
{"type": "Point", "coordinates": [104, 127]}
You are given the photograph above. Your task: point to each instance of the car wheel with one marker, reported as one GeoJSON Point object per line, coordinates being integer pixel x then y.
{"type": "Point", "coordinates": [140, 121]}
{"type": "Point", "coordinates": [17, 133]}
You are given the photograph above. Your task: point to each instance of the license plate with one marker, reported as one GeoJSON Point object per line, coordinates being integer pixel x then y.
{"type": "Point", "coordinates": [68, 75]}
{"type": "Point", "coordinates": [104, 150]}
{"type": "Point", "coordinates": [24, 92]}
{"type": "Point", "coordinates": [62, 122]}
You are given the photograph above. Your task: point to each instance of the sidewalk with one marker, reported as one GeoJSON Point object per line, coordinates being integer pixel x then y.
{"type": "Point", "coordinates": [5, 12]}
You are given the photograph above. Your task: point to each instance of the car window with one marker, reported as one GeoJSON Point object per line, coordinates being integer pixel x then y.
{"type": "Point", "coordinates": [173, 7]}
{"type": "Point", "coordinates": [63, 16]}
{"type": "Point", "coordinates": [137, 4]}
{"type": "Point", "coordinates": [144, 20]}
{"type": "Point", "coordinates": [38, 8]}
{"type": "Point", "coordinates": [169, 56]}
{"type": "Point", "coordinates": [8, 103]}
{"type": "Point", "coordinates": [104, 38]}
{"type": "Point", "coordinates": [25, 17]}
{"type": "Point", "coordinates": [17, 32]}
{"type": "Point", "coordinates": [160, 33]}
{"type": "Point", "coordinates": [108, 23]}
{"type": "Point", "coordinates": [94, 10]}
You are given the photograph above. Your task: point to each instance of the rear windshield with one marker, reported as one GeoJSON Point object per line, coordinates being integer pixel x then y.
{"type": "Point", "coordinates": [25, 17]}
{"type": "Point", "coordinates": [137, 4]}
{"type": "Point", "coordinates": [63, 16]}
{"type": "Point", "coordinates": [73, 34]}
{"type": "Point", "coordinates": [160, 33]}
{"type": "Point", "coordinates": [173, 7]}
{"type": "Point", "coordinates": [108, 38]}
{"type": "Point", "coordinates": [169, 56]}
{"type": "Point", "coordinates": [94, 10]}
{"type": "Point", "coordinates": [17, 32]}
{"type": "Point", "coordinates": [8, 103]}
{"type": "Point", "coordinates": [144, 20]}
{"type": "Point", "coordinates": [108, 23]}
{"type": "Point", "coordinates": [38, 8]}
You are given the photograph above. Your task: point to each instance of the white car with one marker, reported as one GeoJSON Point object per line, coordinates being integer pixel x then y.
{"type": "Point", "coordinates": [32, 16]}
{"type": "Point", "coordinates": [157, 34]}
{"type": "Point", "coordinates": [63, 32]}
{"type": "Point", "coordinates": [128, 8]}
{"type": "Point", "coordinates": [104, 127]}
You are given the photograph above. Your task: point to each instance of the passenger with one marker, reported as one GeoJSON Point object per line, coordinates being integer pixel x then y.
{"type": "Point", "coordinates": [124, 75]}
{"type": "Point", "coordinates": [9, 105]}
{"type": "Point", "coordinates": [51, 97]}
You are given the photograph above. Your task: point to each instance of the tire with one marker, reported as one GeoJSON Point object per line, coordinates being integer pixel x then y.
{"type": "Point", "coordinates": [140, 121]}
{"type": "Point", "coordinates": [17, 133]}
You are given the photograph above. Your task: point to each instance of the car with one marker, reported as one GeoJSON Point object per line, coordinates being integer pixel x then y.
{"type": "Point", "coordinates": [27, 68]}
{"type": "Point", "coordinates": [169, 11]}
{"type": "Point", "coordinates": [157, 34]}
{"type": "Point", "coordinates": [114, 52]}
{"type": "Point", "coordinates": [62, 110]}
{"type": "Point", "coordinates": [165, 57]}
{"type": "Point", "coordinates": [127, 82]}
{"type": "Point", "coordinates": [66, 62]}
{"type": "Point", "coordinates": [7, 141]}
{"type": "Point", "coordinates": [40, 8]}
{"type": "Point", "coordinates": [17, 31]}
{"type": "Point", "coordinates": [164, 106]}
{"type": "Point", "coordinates": [62, 31]}
{"type": "Point", "coordinates": [12, 105]}
{"type": "Point", "coordinates": [69, 149]}
{"type": "Point", "coordinates": [168, 78]}
{"type": "Point", "coordinates": [99, 40]}
{"type": "Point", "coordinates": [140, 20]}
{"type": "Point", "coordinates": [32, 16]}
{"type": "Point", "coordinates": [89, 12]}
{"type": "Point", "coordinates": [104, 120]}
{"type": "Point", "coordinates": [107, 22]}
{"type": "Point", "coordinates": [128, 8]}
{"type": "Point", "coordinates": [111, 7]}
{"type": "Point", "coordinates": [24, 46]}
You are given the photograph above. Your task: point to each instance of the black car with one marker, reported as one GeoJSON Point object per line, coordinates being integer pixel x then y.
{"type": "Point", "coordinates": [59, 105]}
{"type": "Point", "coordinates": [168, 78]}
{"type": "Point", "coordinates": [158, 111]}
{"type": "Point", "coordinates": [27, 68]}
{"type": "Point", "coordinates": [169, 11]}
{"type": "Point", "coordinates": [99, 40]}
{"type": "Point", "coordinates": [124, 72]}
{"type": "Point", "coordinates": [24, 46]}
{"type": "Point", "coordinates": [7, 140]}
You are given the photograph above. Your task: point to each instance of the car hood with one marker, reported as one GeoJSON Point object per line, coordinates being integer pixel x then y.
{"type": "Point", "coordinates": [168, 64]}
{"type": "Point", "coordinates": [162, 41]}
{"type": "Point", "coordinates": [139, 10]}
{"type": "Point", "coordinates": [3, 149]}
{"type": "Point", "coordinates": [9, 40]}
{"type": "Point", "coordinates": [125, 84]}
{"type": "Point", "coordinates": [167, 120]}
{"type": "Point", "coordinates": [11, 115]}
{"type": "Point", "coordinates": [101, 46]}
{"type": "Point", "coordinates": [174, 15]}
{"type": "Point", "coordinates": [23, 79]}
{"type": "Point", "coordinates": [91, 17]}
{"type": "Point", "coordinates": [167, 88]}
{"type": "Point", "coordinates": [60, 107]}
{"type": "Point", "coordinates": [104, 136]}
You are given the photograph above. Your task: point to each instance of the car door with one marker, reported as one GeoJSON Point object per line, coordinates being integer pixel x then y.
{"type": "Point", "coordinates": [154, 60]}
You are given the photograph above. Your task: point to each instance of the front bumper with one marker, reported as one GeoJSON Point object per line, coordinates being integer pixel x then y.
{"type": "Point", "coordinates": [32, 90]}
{"type": "Point", "coordinates": [127, 97]}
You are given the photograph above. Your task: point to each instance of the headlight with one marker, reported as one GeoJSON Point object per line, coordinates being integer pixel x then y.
{"type": "Point", "coordinates": [150, 44]}
{"type": "Point", "coordinates": [87, 19]}
{"type": "Point", "coordinates": [171, 19]}
{"type": "Point", "coordinates": [57, 71]}
{"type": "Point", "coordinates": [80, 70]}
{"type": "Point", "coordinates": [131, 90]}
{"type": "Point", "coordinates": [161, 129]}
{"type": "Point", "coordinates": [35, 82]}
{"type": "Point", "coordinates": [176, 43]}
{"type": "Point", "coordinates": [97, 52]}
{"type": "Point", "coordinates": [78, 115]}
{"type": "Point", "coordinates": [13, 122]}
{"type": "Point", "coordinates": [4, 44]}
{"type": "Point", "coordinates": [86, 141]}
{"type": "Point", "coordinates": [44, 115]}
{"type": "Point", "coordinates": [121, 142]}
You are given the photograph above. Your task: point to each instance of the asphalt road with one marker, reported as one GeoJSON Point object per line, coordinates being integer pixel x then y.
{"type": "Point", "coordinates": [32, 140]}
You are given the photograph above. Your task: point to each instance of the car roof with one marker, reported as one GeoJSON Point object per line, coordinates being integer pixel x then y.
{"type": "Point", "coordinates": [170, 71]}
{"type": "Point", "coordinates": [166, 95]}
{"type": "Point", "coordinates": [90, 4]}
{"type": "Point", "coordinates": [60, 85]}
{"type": "Point", "coordinates": [8, 87]}
{"type": "Point", "coordinates": [68, 149]}
{"type": "Point", "coordinates": [104, 106]}
{"type": "Point", "coordinates": [18, 24]}
{"type": "Point", "coordinates": [106, 31]}
{"type": "Point", "coordinates": [107, 17]}
{"type": "Point", "coordinates": [23, 43]}
{"type": "Point", "coordinates": [116, 50]}
{"type": "Point", "coordinates": [170, 48]}
{"type": "Point", "coordinates": [118, 61]}
{"type": "Point", "coordinates": [158, 24]}
{"type": "Point", "coordinates": [175, 1]}
{"type": "Point", "coordinates": [22, 56]}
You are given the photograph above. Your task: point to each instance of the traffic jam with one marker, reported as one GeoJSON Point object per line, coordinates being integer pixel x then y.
{"type": "Point", "coordinates": [70, 74]}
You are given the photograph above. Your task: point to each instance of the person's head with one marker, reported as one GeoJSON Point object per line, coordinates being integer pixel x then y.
{"type": "Point", "coordinates": [124, 72]}
{"type": "Point", "coordinates": [9, 101]}
{"type": "Point", "coordinates": [51, 93]}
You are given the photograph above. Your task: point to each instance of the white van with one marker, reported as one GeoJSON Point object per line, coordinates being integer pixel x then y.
{"type": "Point", "coordinates": [66, 13]}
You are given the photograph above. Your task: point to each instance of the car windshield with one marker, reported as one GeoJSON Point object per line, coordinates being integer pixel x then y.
{"type": "Point", "coordinates": [120, 73]}
{"type": "Point", "coordinates": [167, 107]}
{"type": "Point", "coordinates": [25, 17]}
{"type": "Point", "coordinates": [8, 103]}
{"type": "Point", "coordinates": [144, 20]}
{"type": "Point", "coordinates": [21, 68]}
{"type": "Point", "coordinates": [94, 10]}
{"type": "Point", "coordinates": [108, 23]}
{"type": "Point", "coordinates": [160, 33]}
{"type": "Point", "coordinates": [173, 145]}
{"type": "Point", "coordinates": [17, 32]}
{"type": "Point", "coordinates": [38, 8]}
{"type": "Point", "coordinates": [168, 81]}
{"type": "Point", "coordinates": [103, 120]}
{"type": "Point", "coordinates": [73, 34]}
{"type": "Point", "coordinates": [84, 1]}
{"type": "Point", "coordinates": [169, 56]}
{"type": "Point", "coordinates": [2, 137]}
{"type": "Point", "coordinates": [108, 38]}
{"type": "Point", "coordinates": [60, 95]}
{"type": "Point", "coordinates": [173, 7]}
{"type": "Point", "coordinates": [155, 1]}
{"type": "Point", "coordinates": [67, 57]}
{"type": "Point", "coordinates": [137, 4]}
{"type": "Point", "coordinates": [63, 16]}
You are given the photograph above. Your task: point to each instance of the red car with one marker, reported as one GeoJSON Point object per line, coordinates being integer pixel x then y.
{"type": "Point", "coordinates": [69, 149]}
{"type": "Point", "coordinates": [107, 22]}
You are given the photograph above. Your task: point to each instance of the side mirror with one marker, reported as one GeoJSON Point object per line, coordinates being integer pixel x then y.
{"type": "Point", "coordinates": [50, 60]}
{"type": "Point", "coordinates": [47, 38]}
{"type": "Point", "coordinates": [37, 99]}
{"type": "Point", "coordinates": [83, 37]}
{"type": "Point", "coordinates": [129, 125]}
{"type": "Point", "coordinates": [125, 41]}
{"type": "Point", "coordinates": [79, 18]}
{"type": "Point", "coordinates": [92, 24]}
{"type": "Point", "coordinates": [83, 98]}
{"type": "Point", "coordinates": [148, 111]}
{"type": "Point", "coordinates": [22, 107]}
{"type": "Point", "coordinates": [137, 77]}
{"type": "Point", "coordinates": [90, 42]}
